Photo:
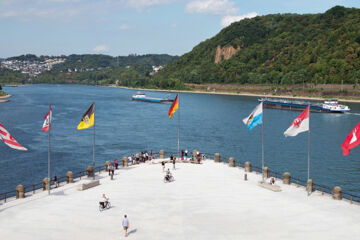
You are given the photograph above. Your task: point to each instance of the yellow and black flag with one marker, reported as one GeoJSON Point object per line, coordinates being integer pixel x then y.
{"type": "Point", "coordinates": [88, 118]}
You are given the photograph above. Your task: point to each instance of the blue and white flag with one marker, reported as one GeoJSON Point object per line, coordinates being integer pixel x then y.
{"type": "Point", "coordinates": [255, 117]}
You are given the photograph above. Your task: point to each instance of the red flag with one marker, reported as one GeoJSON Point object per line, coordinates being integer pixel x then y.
{"type": "Point", "coordinates": [47, 121]}
{"type": "Point", "coordinates": [352, 140]}
{"type": "Point", "coordinates": [300, 124]}
{"type": "Point", "coordinates": [9, 140]}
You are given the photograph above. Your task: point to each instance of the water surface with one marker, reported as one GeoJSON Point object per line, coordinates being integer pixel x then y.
{"type": "Point", "coordinates": [211, 123]}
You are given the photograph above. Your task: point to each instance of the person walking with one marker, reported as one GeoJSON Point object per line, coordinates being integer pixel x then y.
{"type": "Point", "coordinates": [125, 224]}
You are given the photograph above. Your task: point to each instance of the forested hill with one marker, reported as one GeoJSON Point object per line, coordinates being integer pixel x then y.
{"type": "Point", "coordinates": [277, 49]}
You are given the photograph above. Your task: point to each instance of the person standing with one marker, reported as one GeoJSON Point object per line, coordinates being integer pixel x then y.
{"type": "Point", "coordinates": [126, 224]}
{"type": "Point", "coordinates": [186, 154]}
{"type": "Point", "coordinates": [55, 181]}
{"type": "Point", "coordinates": [163, 165]}
{"type": "Point", "coordinates": [173, 161]}
{"type": "Point", "coordinates": [116, 163]}
{"type": "Point", "coordinates": [112, 170]}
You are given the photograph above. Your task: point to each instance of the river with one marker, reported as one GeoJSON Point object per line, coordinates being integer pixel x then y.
{"type": "Point", "coordinates": [210, 123]}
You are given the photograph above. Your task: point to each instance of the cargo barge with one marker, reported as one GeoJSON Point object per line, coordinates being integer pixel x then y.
{"type": "Point", "coordinates": [329, 106]}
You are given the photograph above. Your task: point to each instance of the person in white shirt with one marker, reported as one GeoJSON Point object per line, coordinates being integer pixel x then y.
{"type": "Point", "coordinates": [104, 200]}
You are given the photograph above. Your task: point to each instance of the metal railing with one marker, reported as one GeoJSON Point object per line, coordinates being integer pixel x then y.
{"type": "Point", "coordinates": [323, 189]}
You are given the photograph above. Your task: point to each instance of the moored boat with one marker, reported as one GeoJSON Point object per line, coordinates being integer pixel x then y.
{"type": "Point", "coordinates": [329, 106]}
{"type": "Point", "coordinates": [143, 98]}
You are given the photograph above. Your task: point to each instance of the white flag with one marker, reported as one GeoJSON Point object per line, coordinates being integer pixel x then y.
{"type": "Point", "coordinates": [47, 121]}
{"type": "Point", "coordinates": [300, 124]}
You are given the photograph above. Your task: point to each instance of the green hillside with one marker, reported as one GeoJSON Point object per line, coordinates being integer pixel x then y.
{"type": "Point", "coordinates": [277, 49]}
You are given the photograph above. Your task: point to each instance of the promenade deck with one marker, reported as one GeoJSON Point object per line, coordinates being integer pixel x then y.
{"type": "Point", "coordinates": [206, 201]}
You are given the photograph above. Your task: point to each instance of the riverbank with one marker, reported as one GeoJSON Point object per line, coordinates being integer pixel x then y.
{"type": "Point", "coordinates": [4, 98]}
{"type": "Point", "coordinates": [206, 201]}
{"type": "Point", "coordinates": [249, 94]}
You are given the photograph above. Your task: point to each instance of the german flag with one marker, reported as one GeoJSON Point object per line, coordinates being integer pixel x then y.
{"type": "Point", "coordinates": [88, 118]}
{"type": "Point", "coordinates": [174, 106]}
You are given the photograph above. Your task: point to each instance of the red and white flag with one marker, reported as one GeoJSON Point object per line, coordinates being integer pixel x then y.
{"type": "Point", "coordinates": [299, 125]}
{"type": "Point", "coordinates": [47, 121]}
{"type": "Point", "coordinates": [352, 140]}
{"type": "Point", "coordinates": [9, 140]}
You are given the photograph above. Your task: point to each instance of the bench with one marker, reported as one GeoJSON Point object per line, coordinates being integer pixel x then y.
{"type": "Point", "coordinates": [269, 186]}
{"type": "Point", "coordinates": [85, 186]}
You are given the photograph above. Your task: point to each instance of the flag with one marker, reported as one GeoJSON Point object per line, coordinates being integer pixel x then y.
{"type": "Point", "coordinates": [47, 121]}
{"type": "Point", "coordinates": [255, 117]}
{"type": "Point", "coordinates": [174, 107]}
{"type": "Point", "coordinates": [299, 125]}
{"type": "Point", "coordinates": [9, 140]}
{"type": "Point", "coordinates": [88, 118]}
{"type": "Point", "coordinates": [352, 140]}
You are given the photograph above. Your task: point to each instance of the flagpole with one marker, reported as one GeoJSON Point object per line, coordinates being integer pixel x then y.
{"type": "Point", "coordinates": [94, 146]}
{"type": "Point", "coordinates": [262, 139]}
{"type": "Point", "coordinates": [309, 153]}
{"type": "Point", "coordinates": [49, 149]}
{"type": "Point", "coordinates": [179, 124]}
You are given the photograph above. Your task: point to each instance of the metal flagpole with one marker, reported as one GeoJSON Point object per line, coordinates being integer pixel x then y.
{"type": "Point", "coordinates": [309, 153]}
{"type": "Point", "coordinates": [179, 124]}
{"type": "Point", "coordinates": [94, 146]}
{"type": "Point", "coordinates": [49, 149]}
{"type": "Point", "coordinates": [262, 140]}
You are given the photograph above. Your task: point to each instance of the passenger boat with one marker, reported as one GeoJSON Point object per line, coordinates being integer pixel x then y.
{"type": "Point", "coordinates": [143, 98]}
{"type": "Point", "coordinates": [329, 106]}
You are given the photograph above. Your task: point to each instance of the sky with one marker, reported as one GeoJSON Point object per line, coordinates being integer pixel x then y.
{"type": "Point", "coordinates": [123, 27]}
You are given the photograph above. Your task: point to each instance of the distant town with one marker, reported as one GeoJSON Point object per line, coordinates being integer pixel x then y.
{"type": "Point", "coordinates": [32, 68]}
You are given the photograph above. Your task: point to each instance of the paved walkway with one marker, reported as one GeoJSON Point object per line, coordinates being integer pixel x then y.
{"type": "Point", "coordinates": [207, 201]}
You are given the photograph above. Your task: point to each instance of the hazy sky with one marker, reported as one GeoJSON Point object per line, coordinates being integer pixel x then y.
{"type": "Point", "coordinates": [122, 27]}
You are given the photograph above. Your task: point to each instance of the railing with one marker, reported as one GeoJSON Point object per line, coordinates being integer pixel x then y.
{"type": "Point", "coordinates": [32, 189]}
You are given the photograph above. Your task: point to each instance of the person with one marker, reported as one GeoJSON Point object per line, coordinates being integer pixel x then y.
{"type": "Point", "coordinates": [163, 165]}
{"type": "Point", "coordinates": [116, 163]}
{"type": "Point", "coordinates": [173, 161]}
{"type": "Point", "coordinates": [186, 154]}
{"type": "Point", "coordinates": [133, 159]}
{"type": "Point", "coordinates": [126, 224]}
{"type": "Point", "coordinates": [104, 200]}
{"type": "Point", "coordinates": [272, 181]}
{"type": "Point", "coordinates": [109, 168]}
{"type": "Point", "coordinates": [129, 160]}
{"type": "Point", "coordinates": [55, 181]}
{"type": "Point", "coordinates": [137, 158]}
{"type": "Point", "coordinates": [168, 175]}
{"type": "Point", "coordinates": [112, 169]}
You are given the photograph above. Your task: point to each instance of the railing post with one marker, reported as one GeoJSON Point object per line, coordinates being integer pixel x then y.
{"type": "Point", "coordinates": [286, 178]}
{"type": "Point", "coordinates": [5, 197]}
{"type": "Point", "coordinates": [33, 188]}
{"type": "Point", "coordinates": [350, 198]}
{"type": "Point", "coordinates": [80, 175]}
{"type": "Point", "coordinates": [322, 189]}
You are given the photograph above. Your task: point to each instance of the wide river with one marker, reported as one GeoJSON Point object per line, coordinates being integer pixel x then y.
{"type": "Point", "coordinates": [210, 123]}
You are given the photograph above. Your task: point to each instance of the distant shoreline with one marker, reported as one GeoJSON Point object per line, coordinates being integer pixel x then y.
{"type": "Point", "coordinates": [239, 94]}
